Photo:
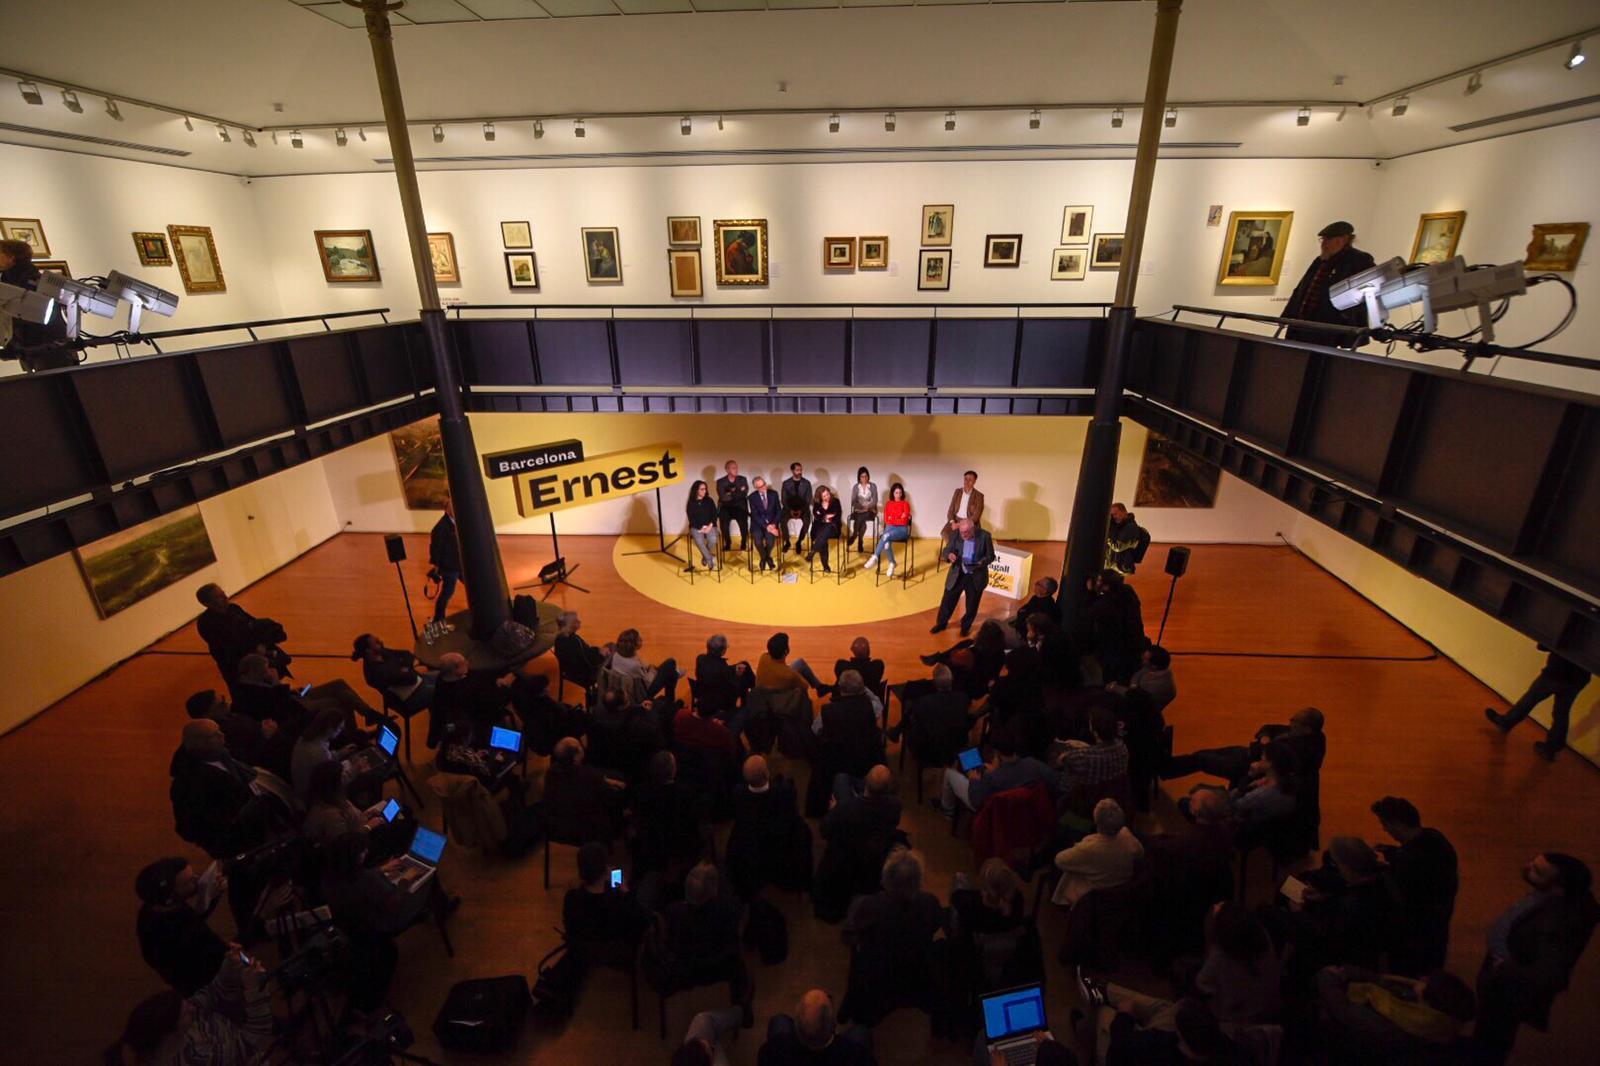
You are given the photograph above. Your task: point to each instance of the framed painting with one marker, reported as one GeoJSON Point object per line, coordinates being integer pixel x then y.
{"type": "Point", "coordinates": [347, 255]}
{"type": "Point", "coordinates": [933, 269]}
{"type": "Point", "coordinates": [152, 249]}
{"type": "Point", "coordinates": [874, 254]}
{"type": "Point", "coordinates": [683, 270]}
{"type": "Point", "coordinates": [1068, 264]}
{"type": "Point", "coordinates": [938, 223]}
{"type": "Point", "coordinates": [838, 253]}
{"type": "Point", "coordinates": [195, 251]}
{"type": "Point", "coordinates": [1556, 245]}
{"type": "Point", "coordinates": [683, 229]}
{"type": "Point", "coordinates": [419, 460]}
{"type": "Point", "coordinates": [124, 568]}
{"type": "Point", "coordinates": [741, 250]}
{"type": "Point", "coordinates": [602, 255]}
{"type": "Point", "coordinates": [1214, 215]}
{"type": "Point", "coordinates": [29, 231]}
{"type": "Point", "coordinates": [1002, 250]}
{"type": "Point", "coordinates": [1075, 224]}
{"type": "Point", "coordinates": [516, 235]}
{"type": "Point", "coordinates": [442, 249]}
{"type": "Point", "coordinates": [53, 266]}
{"type": "Point", "coordinates": [1252, 251]}
{"type": "Point", "coordinates": [522, 271]}
{"type": "Point", "coordinates": [1169, 476]}
{"type": "Point", "coordinates": [1438, 234]}
{"type": "Point", "coordinates": [1107, 251]}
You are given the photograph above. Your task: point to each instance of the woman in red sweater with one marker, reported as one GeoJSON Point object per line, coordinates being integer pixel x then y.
{"type": "Point", "coordinates": [896, 526]}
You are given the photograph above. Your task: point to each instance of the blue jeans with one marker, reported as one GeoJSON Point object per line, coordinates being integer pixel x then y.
{"type": "Point", "coordinates": [886, 543]}
{"type": "Point", "coordinates": [447, 588]}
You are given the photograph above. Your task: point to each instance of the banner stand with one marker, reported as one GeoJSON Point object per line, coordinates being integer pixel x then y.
{"type": "Point", "coordinates": [663, 546]}
{"type": "Point", "coordinates": [555, 573]}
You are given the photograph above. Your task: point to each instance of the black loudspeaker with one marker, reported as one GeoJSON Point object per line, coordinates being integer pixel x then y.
{"type": "Point", "coordinates": [395, 545]}
{"type": "Point", "coordinates": [1178, 561]}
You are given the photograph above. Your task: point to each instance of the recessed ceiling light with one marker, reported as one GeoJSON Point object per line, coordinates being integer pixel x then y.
{"type": "Point", "coordinates": [1116, 118]}
{"type": "Point", "coordinates": [30, 92]}
{"type": "Point", "coordinates": [1171, 118]}
{"type": "Point", "coordinates": [1576, 57]}
{"type": "Point", "coordinates": [70, 99]}
{"type": "Point", "coordinates": [949, 121]}
{"type": "Point", "coordinates": [1402, 104]}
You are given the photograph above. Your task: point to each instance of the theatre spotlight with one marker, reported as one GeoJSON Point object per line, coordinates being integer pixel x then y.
{"type": "Point", "coordinates": [1363, 288]}
{"type": "Point", "coordinates": [1171, 119]}
{"type": "Point", "coordinates": [1576, 58]}
{"type": "Point", "coordinates": [75, 299]}
{"type": "Point", "coordinates": [1116, 118]}
{"type": "Point", "coordinates": [340, 137]}
{"type": "Point", "coordinates": [577, 128]}
{"type": "Point", "coordinates": [142, 296]}
{"type": "Point", "coordinates": [30, 93]}
{"type": "Point", "coordinates": [222, 134]}
{"type": "Point", "coordinates": [297, 139]}
{"type": "Point", "coordinates": [1033, 119]}
{"type": "Point", "coordinates": [550, 572]}
{"type": "Point", "coordinates": [719, 122]}
{"type": "Point", "coordinates": [1303, 118]}
{"type": "Point", "coordinates": [949, 121]}
{"type": "Point", "coordinates": [1474, 83]}
{"type": "Point", "coordinates": [113, 110]}
{"type": "Point", "coordinates": [188, 123]}
{"type": "Point", "coordinates": [361, 131]}
{"type": "Point", "coordinates": [26, 304]}
{"type": "Point", "coordinates": [71, 101]}
{"type": "Point", "coordinates": [1401, 105]}
{"type": "Point", "coordinates": [686, 125]}
{"type": "Point", "coordinates": [1450, 286]}
{"type": "Point", "coordinates": [888, 122]}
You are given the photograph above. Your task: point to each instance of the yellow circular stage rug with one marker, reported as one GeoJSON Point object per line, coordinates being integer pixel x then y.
{"type": "Point", "coordinates": [789, 597]}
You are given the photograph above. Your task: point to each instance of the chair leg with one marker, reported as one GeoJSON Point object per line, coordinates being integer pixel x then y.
{"type": "Point", "coordinates": [661, 1000]}
{"type": "Point", "coordinates": [919, 766]}
{"type": "Point", "coordinates": [408, 739]}
{"type": "Point", "coordinates": [633, 992]}
{"type": "Point", "coordinates": [547, 864]}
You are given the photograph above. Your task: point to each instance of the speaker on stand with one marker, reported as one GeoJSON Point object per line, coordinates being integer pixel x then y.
{"type": "Point", "coordinates": [395, 546]}
{"type": "Point", "coordinates": [1177, 566]}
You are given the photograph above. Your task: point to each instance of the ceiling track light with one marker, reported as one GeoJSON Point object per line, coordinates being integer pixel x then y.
{"type": "Point", "coordinates": [1171, 119]}
{"type": "Point", "coordinates": [577, 128]}
{"type": "Point", "coordinates": [188, 123]}
{"type": "Point", "coordinates": [538, 129]}
{"type": "Point", "coordinates": [340, 137]}
{"type": "Point", "coordinates": [488, 131]}
{"type": "Point", "coordinates": [30, 92]}
{"type": "Point", "coordinates": [113, 110]}
{"type": "Point", "coordinates": [719, 122]}
{"type": "Point", "coordinates": [249, 138]}
{"type": "Point", "coordinates": [70, 100]}
{"type": "Point", "coordinates": [1402, 104]}
{"type": "Point", "coordinates": [1116, 118]}
{"type": "Point", "coordinates": [686, 125]}
{"type": "Point", "coordinates": [949, 121]}
{"type": "Point", "coordinates": [1340, 116]}
{"type": "Point", "coordinates": [438, 133]}
{"type": "Point", "coordinates": [1575, 58]}
{"type": "Point", "coordinates": [361, 131]}
{"type": "Point", "coordinates": [1474, 83]}
{"type": "Point", "coordinates": [297, 139]}
{"type": "Point", "coordinates": [1303, 117]}
{"type": "Point", "coordinates": [888, 122]}
{"type": "Point", "coordinates": [833, 122]}
{"type": "Point", "coordinates": [223, 135]}
{"type": "Point", "coordinates": [1033, 119]}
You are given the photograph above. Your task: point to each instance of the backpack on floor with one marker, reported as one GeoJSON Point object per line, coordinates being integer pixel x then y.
{"type": "Point", "coordinates": [555, 993]}
{"type": "Point", "coordinates": [483, 1015]}
{"type": "Point", "coordinates": [767, 931]}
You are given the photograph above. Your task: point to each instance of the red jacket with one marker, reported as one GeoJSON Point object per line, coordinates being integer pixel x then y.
{"type": "Point", "coordinates": [1012, 824]}
{"type": "Point", "coordinates": [692, 731]}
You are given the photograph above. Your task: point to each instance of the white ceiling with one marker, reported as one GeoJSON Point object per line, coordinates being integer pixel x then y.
{"type": "Point", "coordinates": [240, 59]}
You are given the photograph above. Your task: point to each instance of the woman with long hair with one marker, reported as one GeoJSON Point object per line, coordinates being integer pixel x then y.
{"type": "Point", "coordinates": [863, 508]}
{"type": "Point", "coordinates": [826, 520]}
{"type": "Point", "coordinates": [896, 526]}
{"type": "Point", "coordinates": [702, 510]}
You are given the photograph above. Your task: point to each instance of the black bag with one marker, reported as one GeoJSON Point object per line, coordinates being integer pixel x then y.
{"type": "Point", "coordinates": [511, 639]}
{"type": "Point", "coordinates": [555, 993]}
{"type": "Point", "coordinates": [484, 1014]}
{"type": "Point", "coordinates": [767, 931]}
{"type": "Point", "coordinates": [525, 609]}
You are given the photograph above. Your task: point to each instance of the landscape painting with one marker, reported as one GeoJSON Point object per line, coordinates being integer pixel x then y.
{"type": "Point", "coordinates": [1169, 476]}
{"type": "Point", "coordinates": [347, 255]}
{"type": "Point", "coordinates": [419, 460]}
{"type": "Point", "coordinates": [126, 567]}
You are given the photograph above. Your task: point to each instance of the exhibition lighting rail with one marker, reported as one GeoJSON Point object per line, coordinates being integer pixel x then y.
{"type": "Point", "coordinates": [771, 309]}
{"type": "Point", "coordinates": [153, 339]}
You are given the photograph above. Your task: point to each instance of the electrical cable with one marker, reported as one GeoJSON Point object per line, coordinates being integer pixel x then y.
{"type": "Point", "coordinates": [1572, 308]}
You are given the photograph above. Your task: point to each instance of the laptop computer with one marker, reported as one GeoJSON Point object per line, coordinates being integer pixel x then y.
{"type": "Point", "coordinates": [1010, 1018]}
{"type": "Point", "coordinates": [970, 760]}
{"type": "Point", "coordinates": [505, 739]}
{"type": "Point", "coordinates": [416, 866]}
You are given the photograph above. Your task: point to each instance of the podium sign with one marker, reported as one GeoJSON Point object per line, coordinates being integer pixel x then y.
{"type": "Point", "coordinates": [1009, 574]}
{"type": "Point", "coordinates": [599, 477]}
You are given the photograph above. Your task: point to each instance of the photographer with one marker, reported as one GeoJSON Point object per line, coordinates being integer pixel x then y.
{"type": "Point", "coordinates": [36, 346]}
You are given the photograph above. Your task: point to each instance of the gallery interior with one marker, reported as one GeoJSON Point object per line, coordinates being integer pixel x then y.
{"type": "Point", "coordinates": [1150, 454]}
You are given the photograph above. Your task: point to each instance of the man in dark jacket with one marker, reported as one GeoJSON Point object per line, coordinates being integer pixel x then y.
{"type": "Point", "coordinates": [720, 686]}
{"type": "Point", "coordinates": [1042, 601]}
{"type": "Point", "coordinates": [1336, 260]}
{"type": "Point", "coordinates": [1423, 869]}
{"type": "Point", "coordinates": [578, 799]}
{"type": "Point", "coordinates": [765, 517]}
{"type": "Point", "coordinates": [231, 633]}
{"type": "Point", "coordinates": [937, 724]}
{"type": "Point", "coordinates": [580, 661]}
{"type": "Point", "coordinates": [255, 743]}
{"type": "Point", "coordinates": [1126, 541]}
{"type": "Point", "coordinates": [969, 549]}
{"type": "Point", "coordinates": [794, 496]}
{"type": "Point", "coordinates": [862, 662]}
{"type": "Point", "coordinates": [1115, 623]}
{"type": "Point", "coordinates": [212, 801]}
{"type": "Point", "coordinates": [770, 842]}
{"type": "Point", "coordinates": [851, 743]}
{"type": "Point", "coordinates": [174, 937]}
{"type": "Point", "coordinates": [1560, 681]}
{"type": "Point", "coordinates": [733, 504]}
{"type": "Point", "coordinates": [36, 345]}
{"type": "Point", "coordinates": [444, 555]}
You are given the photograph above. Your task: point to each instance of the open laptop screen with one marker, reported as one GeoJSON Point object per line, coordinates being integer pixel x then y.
{"type": "Point", "coordinates": [505, 739]}
{"type": "Point", "coordinates": [970, 760]}
{"type": "Point", "coordinates": [427, 845]}
{"type": "Point", "coordinates": [1015, 1011]}
{"type": "Point", "coordinates": [388, 740]}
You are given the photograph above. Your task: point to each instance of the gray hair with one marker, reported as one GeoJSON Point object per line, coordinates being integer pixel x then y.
{"type": "Point", "coordinates": [902, 873]}
{"type": "Point", "coordinates": [943, 679]}
{"type": "Point", "coordinates": [565, 619]}
{"type": "Point", "coordinates": [1210, 806]}
{"type": "Point", "coordinates": [850, 683]}
{"type": "Point", "coordinates": [717, 644]}
{"type": "Point", "coordinates": [1109, 819]}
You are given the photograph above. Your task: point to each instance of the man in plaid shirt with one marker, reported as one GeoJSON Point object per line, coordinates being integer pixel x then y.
{"type": "Point", "coordinates": [1091, 764]}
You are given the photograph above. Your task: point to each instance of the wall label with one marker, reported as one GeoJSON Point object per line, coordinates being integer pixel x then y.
{"type": "Point", "coordinates": [601, 477]}
{"type": "Point", "coordinates": [539, 457]}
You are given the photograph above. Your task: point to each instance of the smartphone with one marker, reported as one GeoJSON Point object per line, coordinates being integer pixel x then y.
{"type": "Point", "coordinates": [391, 809]}
{"type": "Point", "coordinates": [616, 878]}
{"type": "Point", "coordinates": [305, 690]}
{"type": "Point", "coordinates": [246, 959]}
{"type": "Point", "coordinates": [970, 760]}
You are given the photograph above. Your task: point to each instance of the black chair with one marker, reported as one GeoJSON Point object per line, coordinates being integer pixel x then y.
{"type": "Point", "coordinates": [905, 573]}
{"type": "Point", "coordinates": [668, 977]}
{"type": "Point", "coordinates": [555, 829]}
{"type": "Point", "coordinates": [613, 955]}
{"type": "Point", "coordinates": [573, 672]}
{"type": "Point", "coordinates": [396, 709]}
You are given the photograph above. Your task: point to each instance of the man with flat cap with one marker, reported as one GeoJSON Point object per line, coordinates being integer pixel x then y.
{"type": "Point", "coordinates": [1337, 260]}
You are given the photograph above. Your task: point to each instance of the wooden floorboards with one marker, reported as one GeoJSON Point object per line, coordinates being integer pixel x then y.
{"type": "Point", "coordinates": [1258, 632]}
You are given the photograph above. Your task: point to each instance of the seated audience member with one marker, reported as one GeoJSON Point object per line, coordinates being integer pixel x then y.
{"type": "Point", "coordinates": [670, 822]}
{"type": "Point", "coordinates": [1043, 601]}
{"type": "Point", "coordinates": [770, 843]}
{"type": "Point", "coordinates": [544, 719]}
{"type": "Point", "coordinates": [580, 802]}
{"type": "Point", "coordinates": [720, 686]}
{"type": "Point", "coordinates": [891, 937]}
{"type": "Point", "coordinates": [394, 671]}
{"type": "Point", "coordinates": [1303, 737]}
{"type": "Point", "coordinates": [696, 727]}
{"type": "Point", "coordinates": [1006, 771]}
{"type": "Point", "coordinates": [594, 913]}
{"type": "Point", "coordinates": [1018, 691]}
{"type": "Point", "coordinates": [1106, 759]}
{"type": "Point", "coordinates": [1346, 913]}
{"type": "Point", "coordinates": [702, 1043]}
{"type": "Point", "coordinates": [1138, 1030]}
{"type": "Point", "coordinates": [976, 663]}
{"type": "Point", "coordinates": [774, 672]}
{"type": "Point", "coordinates": [1104, 859]}
{"type": "Point", "coordinates": [1422, 868]}
{"type": "Point", "coordinates": [1532, 948]}
{"type": "Point", "coordinates": [1059, 665]}
{"type": "Point", "coordinates": [938, 723]}
{"type": "Point", "coordinates": [1240, 977]}
{"type": "Point", "coordinates": [876, 808]}
{"type": "Point", "coordinates": [231, 633]}
{"type": "Point", "coordinates": [174, 938]}
{"type": "Point", "coordinates": [330, 815]}
{"type": "Point", "coordinates": [862, 662]}
{"type": "Point", "coordinates": [640, 680]}
{"type": "Point", "coordinates": [1190, 870]}
{"type": "Point", "coordinates": [1389, 1018]}
{"type": "Point", "coordinates": [990, 929]}
{"type": "Point", "coordinates": [859, 831]}
{"type": "Point", "coordinates": [1114, 624]}
{"type": "Point", "coordinates": [253, 743]}
{"type": "Point", "coordinates": [228, 1021]}
{"type": "Point", "coordinates": [580, 661]}
{"type": "Point", "coordinates": [260, 693]}
{"type": "Point", "coordinates": [699, 941]}
{"type": "Point", "coordinates": [362, 898]}
{"type": "Point", "coordinates": [849, 739]}
{"type": "Point", "coordinates": [811, 1037]}
{"type": "Point", "coordinates": [467, 704]}
{"type": "Point", "coordinates": [212, 799]}
{"type": "Point", "coordinates": [1269, 796]}
{"type": "Point", "coordinates": [315, 747]}
{"type": "Point", "coordinates": [623, 735]}
{"type": "Point", "coordinates": [1154, 678]}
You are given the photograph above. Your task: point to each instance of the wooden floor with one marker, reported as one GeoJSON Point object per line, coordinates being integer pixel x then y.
{"type": "Point", "coordinates": [1258, 632]}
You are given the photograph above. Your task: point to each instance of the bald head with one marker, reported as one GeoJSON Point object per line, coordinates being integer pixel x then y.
{"type": "Point", "coordinates": [453, 665]}
{"type": "Point", "coordinates": [567, 751]}
{"type": "Point", "coordinates": [879, 780]}
{"type": "Point", "coordinates": [860, 648]}
{"type": "Point", "coordinates": [755, 771]}
{"type": "Point", "coordinates": [813, 1019]}
{"type": "Point", "coordinates": [203, 737]}
{"type": "Point", "coordinates": [1209, 806]}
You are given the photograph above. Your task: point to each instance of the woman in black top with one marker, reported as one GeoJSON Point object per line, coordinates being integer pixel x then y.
{"type": "Point", "coordinates": [394, 670]}
{"type": "Point", "coordinates": [826, 520]}
{"type": "Point", "coordinates": [702, 510]}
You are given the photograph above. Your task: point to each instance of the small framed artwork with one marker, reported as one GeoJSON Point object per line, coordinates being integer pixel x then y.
{"type": "Point", "coordinates": [741, 250]}
{"type": "Point", "coordinates": [1068, 264]}
{"type": "Point", "coordinates": [195, 251]}
{"type": "Point", "coordinates": [602, 255]}
{"type": "Point", "coordinates": [874, 253]}
{"type": "Point", "coordinates": [516, 235]}
{"type": "Point", "coordinates": [53, 266]}
{"type": "Point", "coordinates": [442, 249]}
{"type": "Point", "coordinates": [347, 255]}
{"type": "Point", "coordinates": [933, 269]}
{"type": "Point", "coordinates": [1075, 225]}
{"type": "Point", "coordinates": [29, 231]}
{"type": "Point", "coordinates": [1107, 251]}
{"type": "Point", "coordinates": [683, 229]}
{"type": "Point", "coordinates": [1002, 250]}
{"type": "Point", "coordinates": [152, 249]}
{"type": "Point", "coordinates": [838, 253]}
{"type": "Point", "coordinates": [683, 268]}
{"type": "Point", "coordinates": [1438, 234]}
{"type": "Point", "coordinates": [1214, 215]}
{"type": "Point", "coordinates": [1252, 250]}
{"type": "Point", "coordinates": [522, 271]}
{"type": "Point", "coordinates": [1555, 246]}
{"type": "Point", "coordinates": [938, 223]}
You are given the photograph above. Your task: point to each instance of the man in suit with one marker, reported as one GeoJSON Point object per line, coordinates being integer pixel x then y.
{"type": "Point", "coordinates": [969, 549]}
{"type": "Point", "coordinates": [444, 555]}
{"type": "Point", "coordinates": [862, 662]}
{"type": "Point", "coordinates": [252, 742]}
{"type": "Point", "coordinates": [1533, 947]}
{"type": "Point", "coordinates": [231, 633]}
{"type": "Point", "coordinates": [213, 805]}
{"type": "Point", "coordinates": [1336, 260]}
{"type": "Point", "coordinates": [937, 723]}
{"type": "Point", "coordinates": [1043, 601]}
{"type": "Point", "coordinates": [580, 661]}
{"type": "Point", "coordinates": [848, 730]}
{"type": "Point", "coordinates": [720, 686]}
{"type": "Point", "coordinates": [770, 842]}
{"type": "Point", "coordinates": [765, 517]}
{"type": "Point", "coordinates": [967, 502]}
{"type": "Point", "coordinates": [733, 504]}
{"type": "Point", "coordinates": [795, 497]}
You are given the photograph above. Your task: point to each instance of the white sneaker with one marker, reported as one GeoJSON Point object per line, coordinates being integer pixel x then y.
{"type": "Point", "coordinates": [889, 572]}
{"type": "Point", "coordinates": [872, 563]}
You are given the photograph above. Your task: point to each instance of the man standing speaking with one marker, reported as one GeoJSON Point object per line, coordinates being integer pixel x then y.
{"type": "Point", "coordinates": [969, 549]}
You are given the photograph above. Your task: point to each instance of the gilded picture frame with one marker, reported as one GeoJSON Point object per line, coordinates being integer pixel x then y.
{"type": "Point", "coordinates": [602, 255]}
{"type": "Point", "coordinates": [1556, 245]}
{"type": "Point", "coordinates": [1438, 233]}
{"type": "Point", "coordinates": [873, 253]}
{"type": "Point", "coordinates": [442, 250]}
{"type": "Point", "coordinates": [741, 247]}
{"type": "Point", "coordinates": [29, 231]}
{"type": "Point", "coordinates": [194, 249]}
{"type": "Point", "coordinates": [838, 253]}
{"type": "Point", "coordinates": [348, 256]}
{"type": "Point", "coordinates": [153, 249]}
{"type": "Point", "coordinates": [1253, 247]}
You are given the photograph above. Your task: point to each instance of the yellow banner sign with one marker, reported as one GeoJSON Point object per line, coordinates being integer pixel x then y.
{"type": "Point", "coordinates": [599, 477]}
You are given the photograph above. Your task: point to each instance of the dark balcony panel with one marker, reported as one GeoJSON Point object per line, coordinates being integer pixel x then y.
{"type": "Point", "coordinates": [247, 392]}
{"type": "Point", "coordinates": [974, 352]}
{"type": "Point", "coordinates": [142, 415]}
{"type": "Point", "coordinates": [1353, 418]}
{"type": "Point", "coordinates": [655, 351]}
{"type": "Point", "coordinates": [1270, 393]}
{"type": "Point", "coordinates": [573, 351]}
{"type": "Point", "coordinates": [495, 352]}
{"type": "Point", "coordinates": [40, 451]}
{"type": "Point", "coordinates": [890, 353]}
{"type": "Point", "coordinates": [809, 351]}
{"type": "Point", "coordinates": [384, 361]}
{"type": "Point", "coordinates": [733, 351]}
{"type": "Point", "coordinates": [327, 378]}
{"type": "Point", "coordinates": [1060, 353]}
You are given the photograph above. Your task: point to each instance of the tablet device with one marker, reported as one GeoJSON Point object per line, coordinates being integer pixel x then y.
{"type": "Point", "coordinates": [391, 809]}
{"type": "Point", "coordinates": [969, 760]}
{"type": "Point", "coordinates": [505, 739]}
{"type": "Point", "coordinates": [616, 878]}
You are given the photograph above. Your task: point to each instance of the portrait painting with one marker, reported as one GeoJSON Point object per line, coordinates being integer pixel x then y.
{"type": "Point", "coordinates": [1068, 264]}
{"type": "Point", "coordinates": [1437, 236]}
{"type": "Point", "coordinates": [933, 269]}
{"type": "Point", "coordinates": [195, 251]}
{"type": "Point", "coordinates": [442, 250]}
{"type": "Point", "coordinates": [516, 235]}
{"type": "Point", "coordinates": [838, 253]}
{"type": "Point", "coordinates": [152, 249]}
{"type": "Point", "coordinates": [347, 255]}
{"type": "Point", "coordinates": [1214, 215]}
{"type": "Point", "coordinates": [1075, 225]}
{"type": "Point", "coordinates": [1253, 247]}
{"type": "Point", "coordinates": [1107, 251]}
{"type": "Point", "coordinates": [53, 266]}
{"type": "Point", "coordinates": [1002, 250]}
{"type": "Point", "coordinates": [1169, 476]}
{"type": "Point", "coordinates": [683, 270]}
{"type": "Point", "coordinates": [683, 229]}
{"type": "Point", "coordinates": [522, 272]}
{"type": "Point", "coordinates": [29, 231]}
{"type": "Point", "coordinates": [602, 255]}
{"type": "Point", "coordinates": [419, 460]}
{"type": "Point", "coordinates": [1556, 245]}
{"type": "Point", "coordinates": [938, 223]}
{"type": "Point", "coordinates": [741, 250]}
{"type": "Point", "coordinates": [126, 567]}
{"type": "Point", "coordinates": [873, 254]}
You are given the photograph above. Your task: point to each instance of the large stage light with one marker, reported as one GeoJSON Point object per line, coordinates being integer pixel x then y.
{"type": "Point", "coordinates": [142, 296]}
{"type": "Point", "coordinates": [1363, 288]}
{"type": "Point", "coordinates": [17, 302]}
{"type": "Point", "coordinates": [76, 299]}
{"type": "Point", "coordinates": [1450, 286]}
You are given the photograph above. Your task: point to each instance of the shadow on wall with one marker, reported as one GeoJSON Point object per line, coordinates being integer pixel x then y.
{"type": "Point", "coordinates": [1025, 518]}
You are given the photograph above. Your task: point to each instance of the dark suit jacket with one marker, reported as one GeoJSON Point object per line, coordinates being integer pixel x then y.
{"type": "Point", "coordinates": [732, 493]}
{"type": "Point", "coordinates": [578, 658]}
{"type": "Point", "coordinates": [277, 702]}
{"type": "Point", "coordinates": [718, 686]}
{"type": "Point", "coordinates": [1545, 945]}
{"type": "Point", "coordinates": [1349, 262]}
{"type": "Point", "coordinates": [862, 816]}
{"type": "Point", "coordinates": [980, 561]}
{"type": "Point", "coordinates": [796, 495]}
{"type": "Point", "coordinates": [851, 743]}
{"type": "Point", "coordinates": [207, 800]}
{"type": "Point", "coordinates": [764, 509]}
{"type": "Point", "coordinates": [230, 634]}
{"type": "Point", "coordinates": [871, 671]}
{"type": "Point", "coordinates": [470, 706]}
{"type": "Point", "coordinates": [939, 725]}
{"type": "Point", "coordinates": [444, 551]}
{"type": "Point", "coordinates": [974, 508]}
